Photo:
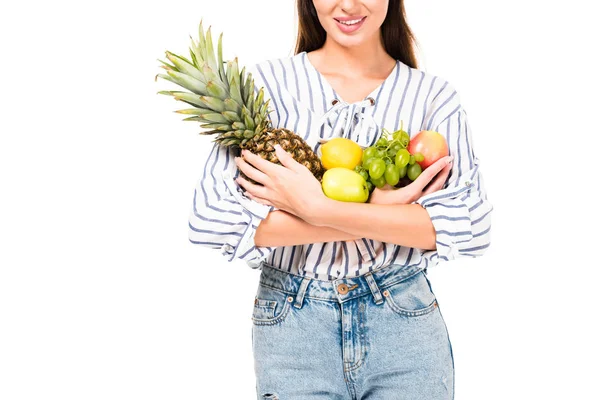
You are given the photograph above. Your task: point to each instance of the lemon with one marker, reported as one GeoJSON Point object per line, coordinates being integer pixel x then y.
{"type": "Point", "coordinates": [341, 153]}
{"type": "Point", "coordinates": [343, 184]}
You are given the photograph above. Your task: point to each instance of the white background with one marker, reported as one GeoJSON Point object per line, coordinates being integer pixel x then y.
{"type": "Point", "coordinates": [102, 296]}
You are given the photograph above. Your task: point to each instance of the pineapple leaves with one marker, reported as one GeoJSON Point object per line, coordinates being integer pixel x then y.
{"type": "Point", "coordinates": [186, 81]}
{"type": "Point", "coordinates": [220, 59]}
{"type": "Point", "coordinates": [190, 98]}
{"type": "Point", "coordinates": [248, 91]}
{"type": "Point", "coordinates": [217, 126]}
{"type": "Point", "coordinates": [235, 74]}
{"type": "Point", "coordinates": [210, 52]}
{"type": "Point", "coordinates": [259, 100]}
{"type": "Point", "coordinates": [215, 89]}
{"type": "Point", "coordinates": [216, 117]}
{"type": "Point", "coordinates": [194, 111]}
{"type": "Point", "coordinates": [201, 43]}
{"type": "Point", "coordinates": [232, 105]}
{"type": "Point", "coordinates": [184, 66]}
{"type": "Point", "coordinates": [167, 66]}
{"type": "Point", "coordinates": [212, 103]}
{"type": "Point", "coordinates": [231, 116]}
{"type": "Point", "coordinates": [234, 83]}
{"type": "Point", "coordinates": [248, 121]}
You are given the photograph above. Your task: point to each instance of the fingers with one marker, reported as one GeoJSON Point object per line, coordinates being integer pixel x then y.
{"type": "Point", "coordinates": [251, 172]}
{"type": "Point", "coordinates": [252, 189]}
{"type": "Point", "coordinates": [439, 180]}
{"type": "Point", "coordinates": [259, 199]}
{"type": "Point", "coordinates": [286, 159]}
{"type": "Point", "coordinates": [267, 167]}
{"type": "Point", "coordinates": [430, 172]}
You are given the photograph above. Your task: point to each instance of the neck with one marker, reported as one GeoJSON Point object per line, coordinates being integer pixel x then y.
{"type": "Point", "coordinates": [366, 59]}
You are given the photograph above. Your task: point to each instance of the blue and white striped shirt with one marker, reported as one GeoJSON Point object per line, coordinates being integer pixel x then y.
{"type": "Point", "coordinates": [303, 101]}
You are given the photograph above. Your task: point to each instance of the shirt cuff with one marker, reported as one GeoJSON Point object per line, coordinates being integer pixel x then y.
{"type": "Point", "coordinates": [254, 212]}
{"type": "Point", "coordinates": [451, 219]}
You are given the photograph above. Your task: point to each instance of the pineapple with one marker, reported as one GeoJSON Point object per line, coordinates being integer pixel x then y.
{"type": "Point", "coordinates": [224, 103]}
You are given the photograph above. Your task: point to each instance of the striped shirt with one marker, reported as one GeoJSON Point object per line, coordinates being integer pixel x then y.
{"type": "Point", "coordinates": [302, 101]}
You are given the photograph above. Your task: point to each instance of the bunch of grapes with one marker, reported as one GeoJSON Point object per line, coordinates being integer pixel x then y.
{"type": "Point", "coordinates": [388, 161]}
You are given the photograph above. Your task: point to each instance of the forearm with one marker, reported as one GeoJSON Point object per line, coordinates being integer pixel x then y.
{"type": "Point", "coordinates": [402, 224]}
{"type": "Point", "coordinates": [280, 228]}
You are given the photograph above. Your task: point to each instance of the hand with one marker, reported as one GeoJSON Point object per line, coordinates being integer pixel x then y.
{"type": "Point", "coordinates": [433, 178]}
{"type": "Point", "coordinates": [289, 187]}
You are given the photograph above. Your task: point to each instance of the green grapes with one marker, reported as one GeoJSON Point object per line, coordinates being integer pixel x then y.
{"type": "Point", "coordinates": [388, 161]}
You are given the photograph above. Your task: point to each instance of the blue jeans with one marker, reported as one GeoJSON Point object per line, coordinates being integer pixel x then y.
{"type": "Point", "coordinates": [378, 336]}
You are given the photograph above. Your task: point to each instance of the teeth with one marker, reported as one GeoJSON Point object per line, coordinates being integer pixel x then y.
{"type": "Point", "coordinates": [351, 22]}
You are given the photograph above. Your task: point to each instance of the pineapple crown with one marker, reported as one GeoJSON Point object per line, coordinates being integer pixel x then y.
{"type": "Point", "coordinates": [223, 98]}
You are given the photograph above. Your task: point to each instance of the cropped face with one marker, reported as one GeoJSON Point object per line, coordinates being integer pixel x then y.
{"type": "Point", "coordinates": [351, 22]}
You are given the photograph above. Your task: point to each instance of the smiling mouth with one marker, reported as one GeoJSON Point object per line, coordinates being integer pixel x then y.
{"type": "Point", "coordinates": [350, 23]}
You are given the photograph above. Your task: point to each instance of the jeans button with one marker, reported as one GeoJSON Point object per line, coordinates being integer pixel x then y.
{"type": "Point", "coordinates": [343, 288]}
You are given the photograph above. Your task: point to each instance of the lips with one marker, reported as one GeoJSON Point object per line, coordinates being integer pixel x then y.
{"type": "Point", "coordinates": [359, 19]}
{"type": "Point", "coordinates": [350, 28]}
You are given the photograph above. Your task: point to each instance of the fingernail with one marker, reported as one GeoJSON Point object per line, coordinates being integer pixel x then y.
{"type": "Point", "coordinates": [277, 146]}
{"type": "Point", "coordinates": [450, 159]}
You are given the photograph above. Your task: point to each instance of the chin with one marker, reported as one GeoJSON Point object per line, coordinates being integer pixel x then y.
{"type": "Point", "coordinates": [348, 41]}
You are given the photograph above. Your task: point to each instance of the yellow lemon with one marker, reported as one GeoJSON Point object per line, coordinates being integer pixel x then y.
{"type": "Point", "coordinates": [345, 185]}
{"type": "Point", "coordinates": [341, 153]}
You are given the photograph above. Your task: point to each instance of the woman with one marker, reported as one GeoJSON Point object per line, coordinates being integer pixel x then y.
{"type": "Point", "coordinates": [344, 309]}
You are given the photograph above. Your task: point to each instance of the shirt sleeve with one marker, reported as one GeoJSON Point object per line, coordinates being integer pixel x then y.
{"type": "Point", "coordinates": [460, 212]}
{"type": "Point", "coordinates": [221, 216]}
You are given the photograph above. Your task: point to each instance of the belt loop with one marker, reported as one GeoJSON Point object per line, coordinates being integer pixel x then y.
{"type": "Point", "coordinates": [301, 291]}
{"type": "Point", "coordinates": [374, 288]}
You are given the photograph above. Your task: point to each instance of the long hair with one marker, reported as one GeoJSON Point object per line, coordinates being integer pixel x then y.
{"type": "Point", "coordinates": [398, 39]}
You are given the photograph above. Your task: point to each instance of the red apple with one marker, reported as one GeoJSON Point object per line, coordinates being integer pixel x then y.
{"type": "Point", "coordinates": [431, 144]}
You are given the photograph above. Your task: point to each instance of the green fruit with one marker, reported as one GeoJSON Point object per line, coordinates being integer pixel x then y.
{"type": "Point", "coordinates": [364, 174]}
{"type": "Point", "coordinates": [343, 184]}
{"type": "Point", "coordinates": [392, 174]}
{"type": "Point", "coordinates": [381, 142]}
{"type": "Point", "coordinates": [414, 171]}
{"type": "Point", "coordinates": [377, 168]}
{"type": "Point", "coordinates": [402, 158]}
{"type": "Point", "coordinates": [369, 152]}
{"type": "Point", "coordinates": [379, 182]}
{"type": "Point", "coordinates": [402, 171]}
{"type": "Point", "coordinates": [367, 163]}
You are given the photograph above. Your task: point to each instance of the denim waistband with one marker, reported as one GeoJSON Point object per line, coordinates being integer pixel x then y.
{"type": "Point", "coordinates": [340, 290]}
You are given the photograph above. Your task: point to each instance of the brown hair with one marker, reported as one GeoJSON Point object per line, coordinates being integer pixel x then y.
{"type": "Point", "coordinates": [398, 39]}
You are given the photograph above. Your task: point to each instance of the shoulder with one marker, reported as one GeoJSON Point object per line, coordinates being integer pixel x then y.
{"type": "Point", "coordinates": [440, 96]}
{"type": "Point", "coordinates": [271, 69]}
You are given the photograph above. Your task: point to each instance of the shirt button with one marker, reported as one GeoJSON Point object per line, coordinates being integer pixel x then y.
{"type": "Point", "coordinates": [342, 289]}
{"type": "Point", "coordinates": [468, 183]}
{"type": "Point", "coordinates": [227, 247]}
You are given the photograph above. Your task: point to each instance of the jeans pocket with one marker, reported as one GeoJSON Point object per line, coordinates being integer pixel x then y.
{"type": "Point", "coordinates": [271, 306]}
{"type": "Point", "coordinates": [411, 297]}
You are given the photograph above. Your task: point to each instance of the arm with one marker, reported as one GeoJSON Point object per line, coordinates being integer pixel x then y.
{"type": "Point", "coordinates": [220, 217]}
{"type": "Point", "coordinates": [280, 228]}
{"type": "Point", "coordinates": [461, 212]}
{"type": "Point", "coordinates": [446, 224]}
{"type": "Point", "coordinates": [401, 224]}
{"type": "Point", "coordinates": [320, 219]}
